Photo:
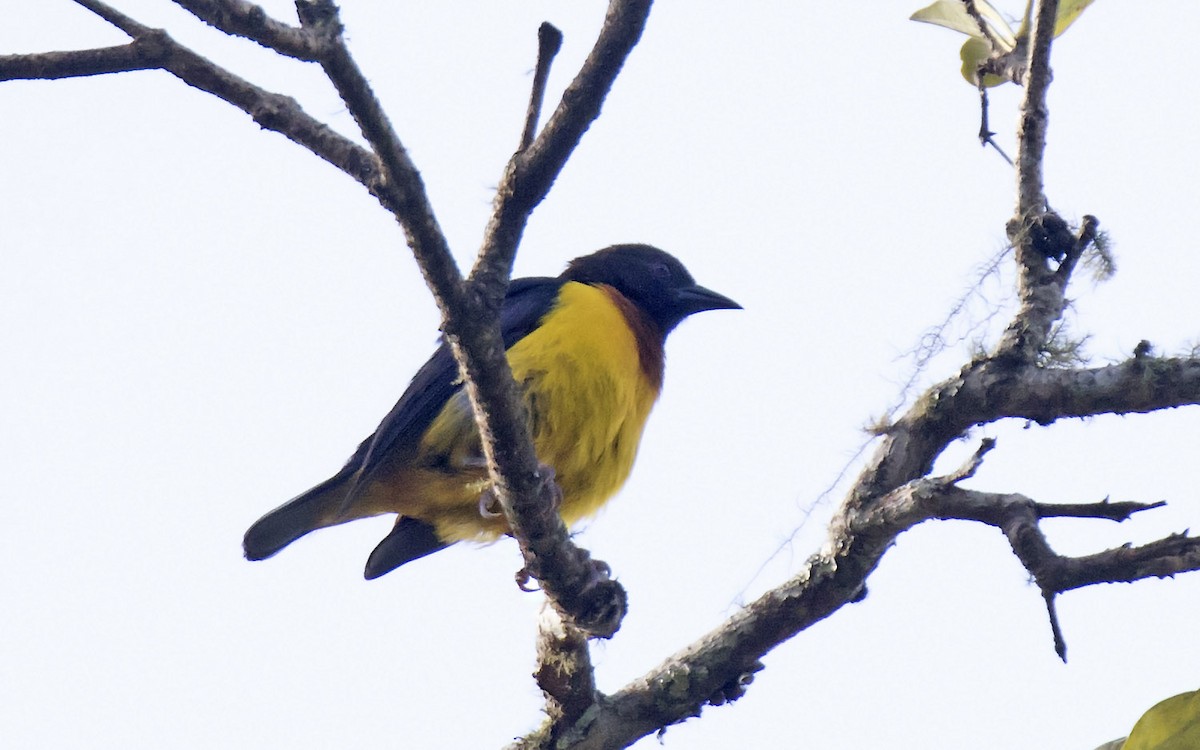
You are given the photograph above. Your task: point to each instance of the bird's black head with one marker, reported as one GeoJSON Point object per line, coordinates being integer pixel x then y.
{"type": "Point", "coordinates": [651, 279]}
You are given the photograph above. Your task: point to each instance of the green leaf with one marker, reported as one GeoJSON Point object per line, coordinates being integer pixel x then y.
{"type": "Point", "coordinates": [974, 53]}
{"type": "Point", "coordinates": [952, 14]}
{"type": "Point", "coordinates": [1173, 724]}
{"type": "Point", "coordinates": [1068, 11]}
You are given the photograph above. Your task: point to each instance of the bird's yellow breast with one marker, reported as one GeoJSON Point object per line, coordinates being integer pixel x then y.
{"type": "Point", "coordinates": [587, 393]}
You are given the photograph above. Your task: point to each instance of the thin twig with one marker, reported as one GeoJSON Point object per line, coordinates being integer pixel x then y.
{"type": "Point", "coordinates": [1060, 642]}
{"type": "Point", "coordinates": [531, 172]}
{"type": "Point", "coordinates": [115, 17]}
{"type": "Point", "coordinates": [549, 43]}
{"type": "Point", "coordinates": [986, 136]}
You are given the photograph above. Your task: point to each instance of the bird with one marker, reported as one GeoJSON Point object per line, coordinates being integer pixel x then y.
{"type": "Point", "coordinates": [586, 349]}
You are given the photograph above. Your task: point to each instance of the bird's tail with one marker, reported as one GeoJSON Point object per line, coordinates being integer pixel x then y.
{"type": "Point", "coordinates": [319, 507]}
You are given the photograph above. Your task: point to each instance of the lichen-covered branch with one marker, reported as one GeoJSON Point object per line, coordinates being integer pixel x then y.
{"type": "Point", "coordinates": [1031, 134]}
{"type": "Point", "coordinates": [684, 684]}
{"type": "Point", "coordinates": [565, 675]}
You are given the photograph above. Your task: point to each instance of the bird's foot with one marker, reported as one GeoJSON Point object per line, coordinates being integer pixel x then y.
{"type": "Point", "coordinates": [489, 499]}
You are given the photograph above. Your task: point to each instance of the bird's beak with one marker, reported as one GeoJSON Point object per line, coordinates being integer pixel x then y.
{"type": "Point", "coordinates": [694, 299]}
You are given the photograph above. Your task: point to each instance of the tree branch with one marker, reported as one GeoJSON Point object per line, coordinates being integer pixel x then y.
{"type": "Point", "coordinates": [244, 19]}
{"type": "Point", "coordinates": [140, 54]}
{"type": "Point", "coordinates": [1018, 517]}
{"type": "Point", "coordinates": [549, 43]}
{"type": "Point", "coordinates": [576, 583]}
{"type": "Point", "coordinates": [564, 674]}
{"type": "Point", "coordinates": [402, 191]}
{"type": "Point", "coordinates": [1031, 135]}
{"type": "Point", "coordinates": [892, 493]}
{"type": "Point", "coordinates": [882, 505]}
{"type": "Point", "coordinates": [579, 586]}
{"type": "Point", "coordinates": [531, 172]}
{"type": "Point", "coordinates": [115, 17]}
{"type": "Point", "coordinates": [1035, 234]}
{"type": "Point", "coordinates": [154, 48]}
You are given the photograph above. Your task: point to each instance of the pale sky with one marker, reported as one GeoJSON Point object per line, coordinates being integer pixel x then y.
{"type": "Point", "coordinates": [202, 320]}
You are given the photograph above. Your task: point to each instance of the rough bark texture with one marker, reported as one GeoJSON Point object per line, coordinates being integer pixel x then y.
{"type": "Point", "coordinates": [892, 493]}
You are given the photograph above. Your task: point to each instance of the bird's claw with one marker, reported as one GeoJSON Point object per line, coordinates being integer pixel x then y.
{"type": "Point", "coordinates": [489, 498]}
{"type": "Point", "coordinates": [489, 503]}
{"type": "Point", "coordinates": [523, 578]}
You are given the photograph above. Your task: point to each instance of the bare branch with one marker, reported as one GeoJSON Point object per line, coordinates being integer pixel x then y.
{"type": "Point", "coordinates": [115, 17]}
{"type": "Point", "coordinates": [549, 43]}
{"type": "Point", "coordinates": [531, 172]}
{"type": "Point", "coordinates": [154, 48]}
{"type": "Point", "coordinates": [1018, 516]}
{"type": "Point", "coordinates": [681, 686]}
{"type": "Point", "coordinates": [240, 18]}
{"type": "Point", "coordinates": [578, 585]}
{"type": "Point", "coordinates": [1031, 137]}
{"type": "Point", "coordinates": [1083, 239]}
{"type": "Point", "coordinates": [1104, 509]}
{"type": "Point", "coordinates": [140, 54]}
{"type": "Point", "coordinates": [1056, 633]}
{"type": "Point", "coordinates": [968, 469]}
{"type": "Point", "coordinates": [402, 191]}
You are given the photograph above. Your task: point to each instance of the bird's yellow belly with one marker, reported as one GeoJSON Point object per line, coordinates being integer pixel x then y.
{"type": "Point", "coordinates": [587, 398]}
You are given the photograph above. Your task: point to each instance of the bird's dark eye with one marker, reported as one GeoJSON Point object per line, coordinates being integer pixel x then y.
{"type": "Point", "coordinates": [660, 272]}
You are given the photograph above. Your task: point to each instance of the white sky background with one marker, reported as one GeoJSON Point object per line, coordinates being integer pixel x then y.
{"type": "Point", "coordinates": [201, 320]}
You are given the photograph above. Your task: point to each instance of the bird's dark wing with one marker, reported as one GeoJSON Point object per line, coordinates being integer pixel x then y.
{"type": "Point", "coordinates": [528, 299]}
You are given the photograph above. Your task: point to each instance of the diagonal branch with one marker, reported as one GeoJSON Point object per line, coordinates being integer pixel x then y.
{"type": "Point", "coordinates": [155, 49]}
{"type": "Point", "coordinates": [580, 586]}
{"type": "Point", "coordinates": [115, 17]}
{"type": "Point", "coordinates": [531, 172]}
{"type": "Point", "coordinates": [240, 18]}
{"type": "Point", "coordinates": [549, 43]}
{"type": "Point", "coordinates": [681, 686]}
{"type": "Point", "coordinates": [402, 190]}
{"type": "Point", "coordinates": [577, 584]}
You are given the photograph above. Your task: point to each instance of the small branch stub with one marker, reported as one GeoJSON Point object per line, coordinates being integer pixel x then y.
{"type": "Point", "coordinates": [549, 43]}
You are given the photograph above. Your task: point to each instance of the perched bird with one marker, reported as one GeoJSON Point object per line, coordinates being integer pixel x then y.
{"type": "Point", "coordinates": [587, 350]}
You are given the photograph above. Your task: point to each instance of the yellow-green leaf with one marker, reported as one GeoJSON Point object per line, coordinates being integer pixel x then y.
{"type": "Point", "coordinates": [952, 14]}
{"type": "Point", "coordinates": [1173, 724]}
{"type": "Point", "coordinates": [1068, 11]}
{"type": "Point", "coordinates": [974, 53]}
